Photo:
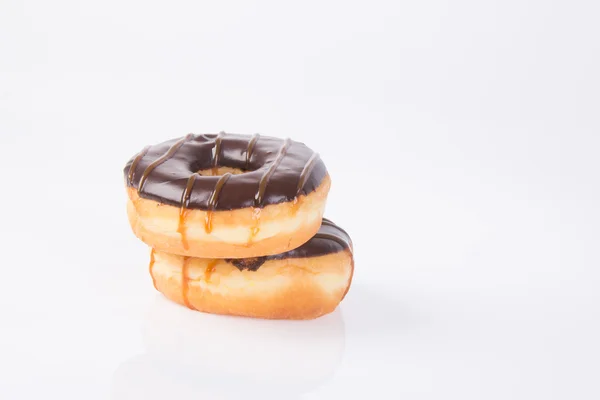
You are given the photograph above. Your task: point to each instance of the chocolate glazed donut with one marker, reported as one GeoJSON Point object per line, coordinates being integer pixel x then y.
{"type": "Point", "coordinates": [226, 195]}
{"type": "Point", "coordinates": [303, 283]}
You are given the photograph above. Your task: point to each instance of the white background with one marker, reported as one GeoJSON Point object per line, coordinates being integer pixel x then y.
{"type": "Point", "coordinates": [475, 124]}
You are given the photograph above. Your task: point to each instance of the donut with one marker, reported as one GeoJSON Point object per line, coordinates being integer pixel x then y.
{"type": "Point", "coordinates": [303, 283]}
{"type": "Point", "coordinates": [226, 195]}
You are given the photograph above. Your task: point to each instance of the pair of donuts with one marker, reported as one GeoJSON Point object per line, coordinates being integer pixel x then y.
{"type": "Point", "coordinates": [236, 226]}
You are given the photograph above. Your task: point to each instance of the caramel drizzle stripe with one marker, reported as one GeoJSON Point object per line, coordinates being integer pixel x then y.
{"type": "Point", "coordinates": [187, 193]}
{"type": "Point", "coordinates": [170, 153]}
{"type": "Point", "coordinates": [151, 267]}
{"type": "Point", "coordinates": [185, 282]}
{"type": "Point", "coordinates": [135, 163]}
{"type": "Point", "coordinates": [217, 151]}
{"type": "Point", "coordinates": [264, 180]}
{"type": "Point", "coordinates": [185, 202]}
{"type": "Point", "coordinates": [214, 199]}
{"type": "Point", "coordinates": [210, 268]}
{"type": "Point", "coordinates": [250, 148]}
{"type": "Point", "coordinates": [308, 167]}
{"type": "Point", "coordinates": [339, 240]}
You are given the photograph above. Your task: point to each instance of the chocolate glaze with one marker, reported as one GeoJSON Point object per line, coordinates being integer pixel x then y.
{"type": "Point", "coordinates": [217, 152]}
{"type": "Point", "coordinates": [250, 149]}
{"type": "Point", "coordinates": [214, 200]}
{"type": "Point", "coordinates": [264, 180]}
{"type": "Point", "coordinates": [307, 170]}
{"type": "Point", "coordinates": [329, 239]}
{"type": "Point", "coordinates": [276, 171]}
{"type": "Point", "coordinates": [158, 162]}
{"type": "Point", "coordinates": [135, 163]}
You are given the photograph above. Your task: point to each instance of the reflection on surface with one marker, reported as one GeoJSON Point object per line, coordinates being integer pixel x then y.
{"type": "Point", "coordinates": [190, 353]}
{"type": "Point", "coordinates": [374, 314]}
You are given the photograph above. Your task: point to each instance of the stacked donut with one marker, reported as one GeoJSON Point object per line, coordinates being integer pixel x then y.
{"type": "Point", "coordinates": [235, 224]}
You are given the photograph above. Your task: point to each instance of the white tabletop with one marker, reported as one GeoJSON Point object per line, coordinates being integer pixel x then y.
{"type": "Point", "coordinates": [474, 133]}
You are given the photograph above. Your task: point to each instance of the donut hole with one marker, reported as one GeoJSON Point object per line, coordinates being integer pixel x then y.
{"type": "Point", "coordinates": [219, 171]}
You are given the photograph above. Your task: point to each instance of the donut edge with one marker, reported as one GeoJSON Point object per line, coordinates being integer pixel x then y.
{"type": "Point", "coordinates": [157, 224]}
{"type": "Point", "coordinates": [294, 288]}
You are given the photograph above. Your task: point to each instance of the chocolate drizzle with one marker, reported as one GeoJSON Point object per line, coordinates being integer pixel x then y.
{"type": "Point", "coordinates": [185, 201]}
{"type": "Point", "coordinates": [217, 153]}
{"type": "Point", "coordinates": [172, 150]}
{"type": "Point", "coordinates": [213, 201]}
{"type": "Point", "coordinates": [331, 231]}
{"type": "Point", "coordinates": [134, 164]}
{"type": "Point", "coordinates": [272, 170]}
{"type": "Point", "coordinates": [329, 239]}
{"type": "Point", "coordinates": [250, 148]}
{"type": "Point", "coordinates": [328, 236]}
{"type": "Point", "coordinates": [306, 171]}
{"type": "Point", "coordinates": [264, 180]}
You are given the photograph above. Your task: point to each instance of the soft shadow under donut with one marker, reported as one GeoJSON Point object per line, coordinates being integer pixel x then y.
{"type": "Point", "coordinates": [191, 354]}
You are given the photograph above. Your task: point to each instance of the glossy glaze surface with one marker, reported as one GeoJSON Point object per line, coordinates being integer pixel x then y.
{"type": "Point", "coordinates": [329, 239]}
{"type": "Point", "coordinates": [274, 171]}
